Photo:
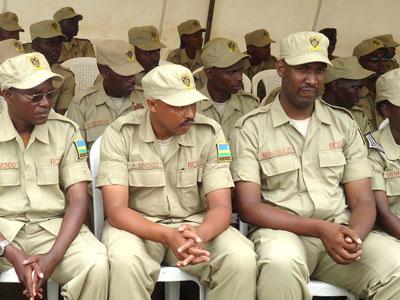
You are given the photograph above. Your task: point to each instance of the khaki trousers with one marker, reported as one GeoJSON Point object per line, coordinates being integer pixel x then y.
{"type": "Point", "coordinates": [135, 265]}
{"type": "Point", "coordinates": [287, 261]}
{"type": "Point", "coordinates": [83, 272]}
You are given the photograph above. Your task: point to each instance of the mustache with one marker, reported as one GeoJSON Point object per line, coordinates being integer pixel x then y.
{"type": "Point", "coordinates": [188, 121]}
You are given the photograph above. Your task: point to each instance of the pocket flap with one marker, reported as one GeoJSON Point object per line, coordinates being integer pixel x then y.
{"type": "Point", "coordinates": [280, 164]}
{"type": "Point", "coordinates": [146, 178]}
{"type": "Point", "coordinates": [47, 175]}
{"type": "Point", "coordinates": [331, 159]}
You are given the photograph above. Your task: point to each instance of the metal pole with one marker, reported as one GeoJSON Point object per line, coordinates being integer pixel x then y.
{"type": "Point", "coordinates": [209, 20]}
{"type": "Point", "coordinates": [317, 13]}
{"type": "Point", "coordinates": [161, 28]}
{"type": "Point", "coordinates": [5, 5]}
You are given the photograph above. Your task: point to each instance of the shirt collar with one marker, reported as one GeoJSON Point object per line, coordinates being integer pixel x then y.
{"type": "Point", "coordinates": [206, 104]}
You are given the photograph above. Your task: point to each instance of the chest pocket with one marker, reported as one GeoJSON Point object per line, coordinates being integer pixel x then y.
{"type": "Point", "coordinates": [187, 178]}
{"type": "Point", "coordinates": [9, 177]}
{"type": "Point", "coordinates": [47, 175]}
{"type": "Point", "coordinates": [332, 164]}
{"type": "Point", "coordinates": [146, 178]}
{"type": "Point", "coordinates": [280, 172]}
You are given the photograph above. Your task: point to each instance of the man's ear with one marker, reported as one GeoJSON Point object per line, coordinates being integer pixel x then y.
{"type": "Point", "coordinates": [152, 105]}
{"type": "Point", "coordinates": [8, 96]}
{"type": "Point", "coordinates": [281, 67]}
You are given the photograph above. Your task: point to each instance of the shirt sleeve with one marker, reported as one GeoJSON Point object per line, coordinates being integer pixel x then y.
{"type": "Point", "coordinates": [113, 168]}
{"type": "Point", "coordinates": [377, 165]}
{"type": "Point", "coordinates": [355, 151]}
{"type": "Point", "coordinates": [216, 174]}
{"type": "Point", "coordinates": [73, 166]}
{"type": "Point", "coordinates": [245, 164]}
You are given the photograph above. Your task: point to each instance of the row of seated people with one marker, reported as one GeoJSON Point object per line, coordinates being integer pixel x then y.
{"type": "Point", "coordinates": [299, 168]}
{"type": "Point", "coordinates": [375, 54]}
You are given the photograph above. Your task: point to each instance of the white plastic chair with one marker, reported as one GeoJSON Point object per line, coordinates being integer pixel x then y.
{"type": "Point", "coordinates": [170, 275]}
{"type": "Point", "coordinates": [85, 71]}
{"type": "Point", "coordinates": [384, 124]}
{"type": "Point", "coordinates": [316, 287]}
{"type": "Point", "coordinates": [11, 276]}
{"type": "Point", "coordinates": [246, 84]}
{"type": "Point", "coordinates": [270, 78]}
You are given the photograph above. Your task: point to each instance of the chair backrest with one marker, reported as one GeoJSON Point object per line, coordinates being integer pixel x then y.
{"type": "Point", "coordinates": [197, 70]}
{"type": "Point", "coordinates": [246, 84]}
{"type": "Point", "coordinates": [85, 71]}
{"type": "Point", "coordinates": [384, 123]}
{"type": "Point", "coordinates": [98, 210]}
{"type": "Point", "coordinates": [270, 79]}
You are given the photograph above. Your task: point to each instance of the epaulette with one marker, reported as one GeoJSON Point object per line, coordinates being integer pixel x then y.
{"type": "Point", "coordinates": [254, 112]}
{"type": "Point", "coordinates": [338, 108]}
{"type": "Point", "coordinates": [201, 119]}
{"type": "Point", "coordinates": [134, 117]}
{"type": "Point", "coordinates": [85, 40]}
{"type": "Point", "coordinates": [85, 92]}
{"type": "Point", "coordinates": [53, 116]}
{"type": "Point", "coordinates": [373, 144]}
{"type": "Point", "coordinates": [250, 95]}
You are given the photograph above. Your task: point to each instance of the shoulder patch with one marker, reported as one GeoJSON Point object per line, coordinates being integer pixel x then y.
{"type": "Point", "coordinates": [223, 152]}
{"type": "Point", "coordinates": [81, 149]}
{"type": "Point", "coordinates": [254, 112]}
{"type": "Point", "coordinates": [372, 143]}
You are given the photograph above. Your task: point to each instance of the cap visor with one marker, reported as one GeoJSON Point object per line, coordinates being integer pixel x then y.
{"type": "Point", "coordinates": [184, 98]}
{"type": "Point", "coordinates": [127, 69]}
{"type": "Point", "coordinates": [307, 58]}
{"type": "Point", "coordinates": [36, 79]}
{"type": "Point", "coordinates": [150, 45]}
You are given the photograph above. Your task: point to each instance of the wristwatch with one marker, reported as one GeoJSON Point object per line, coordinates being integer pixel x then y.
{"type": "Point", "coordinates": [3, 245]}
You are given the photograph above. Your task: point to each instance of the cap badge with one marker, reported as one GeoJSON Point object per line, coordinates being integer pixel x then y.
{"type": "Point", "coordinates": [54, 25]}
{"type": "Point", "coordinates": [314, 44]}
{"type": "Point", "coordinates": [131, 56]}
{"type": "Point", "coordinates": [232, 46]}
{"type": "Point", "coordinates": [375, 42]}
{"type": "Point", "coordinates": [35, 62]}
{"type": "Point", "coordinates": [154, 35]}
{"type": "Point", "coordinates": [186, 81]}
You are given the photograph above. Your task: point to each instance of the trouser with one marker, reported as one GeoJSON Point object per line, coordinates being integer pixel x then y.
{"type": "Point", "coordinates": [286, 261]}
{"type": "Point", "coordinates": [83, 272]}
{"type": "Point", "coordinates": [135, 265]}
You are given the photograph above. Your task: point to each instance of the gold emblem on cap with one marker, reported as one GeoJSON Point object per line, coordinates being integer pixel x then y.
{"type": "Point", "coordinates": [131, 56]}
{"type": "Point", "coordinates": [54, 25]}
{"type": "Point", "coordinates": [232, 46]}
{"type": "Point", "coordinates": [18, 47]}
{"type": "Point", "coordinates": [375, 42]}
{"type": "Point", "coordinates": [154, 35]}
{"type": "Point", "coordinates": [186, 81]}
{"type": "Point", "coordinates": [35, 62]}
{"type": "Point", "coordinates": [314, 43]}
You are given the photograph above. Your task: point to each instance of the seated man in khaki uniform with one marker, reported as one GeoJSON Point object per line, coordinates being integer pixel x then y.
{"type": "Point", "coordinates": [164, 175]}
{"type": "Point", "coordinates": [146, 41]}
{"type": "Point", "coordinates": [72, 47]}
{"type": "Point", "coordinates": [188, 54]}
{"type": "Point", "coordinates": [391, 45]}
{"type": "Point", "coordinates": [384, 155]}
{"type": "Point", "coordinates": [225, 102]}
{"type": "Point", "coordinates": [371, 54]}
{"type": "Point", "coordinates": [344, 81]}
{"type": "Point", "coordinates": [47, 39]}
{"type": "Point", "coordinates": [9, 27]}
{"type": "Point", "coordinates": [303, 182]}
{"type": "Point", "coordinates": [112, 96]}
{"type": "Point", "coordinates": [258, 45]}
{"type": "Point", "coordinates": [43, 184]}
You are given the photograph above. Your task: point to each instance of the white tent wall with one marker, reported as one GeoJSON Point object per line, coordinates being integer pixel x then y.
{"type": "Point", "coordinates": [105, 19]}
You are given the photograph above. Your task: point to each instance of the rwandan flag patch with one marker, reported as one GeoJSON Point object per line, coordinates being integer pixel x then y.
{"type": "Point", "coordinates": [223, 153]}
{"type": "Point", "coordinates": [81, 148]}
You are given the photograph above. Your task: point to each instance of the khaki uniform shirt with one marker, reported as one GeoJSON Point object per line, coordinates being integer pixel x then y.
{"type": "Point", "coordinates": [67, 90]}
{"type": "Point", "coordinates": [267, 64]}
{"type": "Point", "coordinates": [76, 48]}
{"type": "Point", "coordinates": [271, 97]}
{"type": "Point", "coordinates": [302, 175]}
{"type": "Point", "coordinates": [384, 156]}
{"type": "Point", "coordinates": [33, 179]}
{"type": "Point", "coordinates": [237, 106]}
{"type": "Point", "coordinates": [93, 110]}
{"type": "Point", "coordinates": [169, 189]}
{"type": "Point", "coordinates": [367, 103]}
{"type": "Point", "coordinates": [361, 119]}
{"type": "Point", "coordinates": [391, 65]}
{"type": "Point", "coordinates": [179, 56]}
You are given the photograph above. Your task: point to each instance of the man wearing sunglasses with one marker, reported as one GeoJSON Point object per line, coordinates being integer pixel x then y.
{"type": "Point", "coordinates": [43, 188]}
{"type": "Point", "coordinates": [47, 39]}
{"type": "Point", "coordinates": [371, 54]}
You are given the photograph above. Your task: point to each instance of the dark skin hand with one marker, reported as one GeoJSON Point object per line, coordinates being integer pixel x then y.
{"type": "Point", "coordinates": [386, 218]}
{"type": "Point", "coordinates": [342, 243]}
{"type": "Point", "coordinates": [71, 224]}
{"type": "Point", "coordinates": [186, 241]}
